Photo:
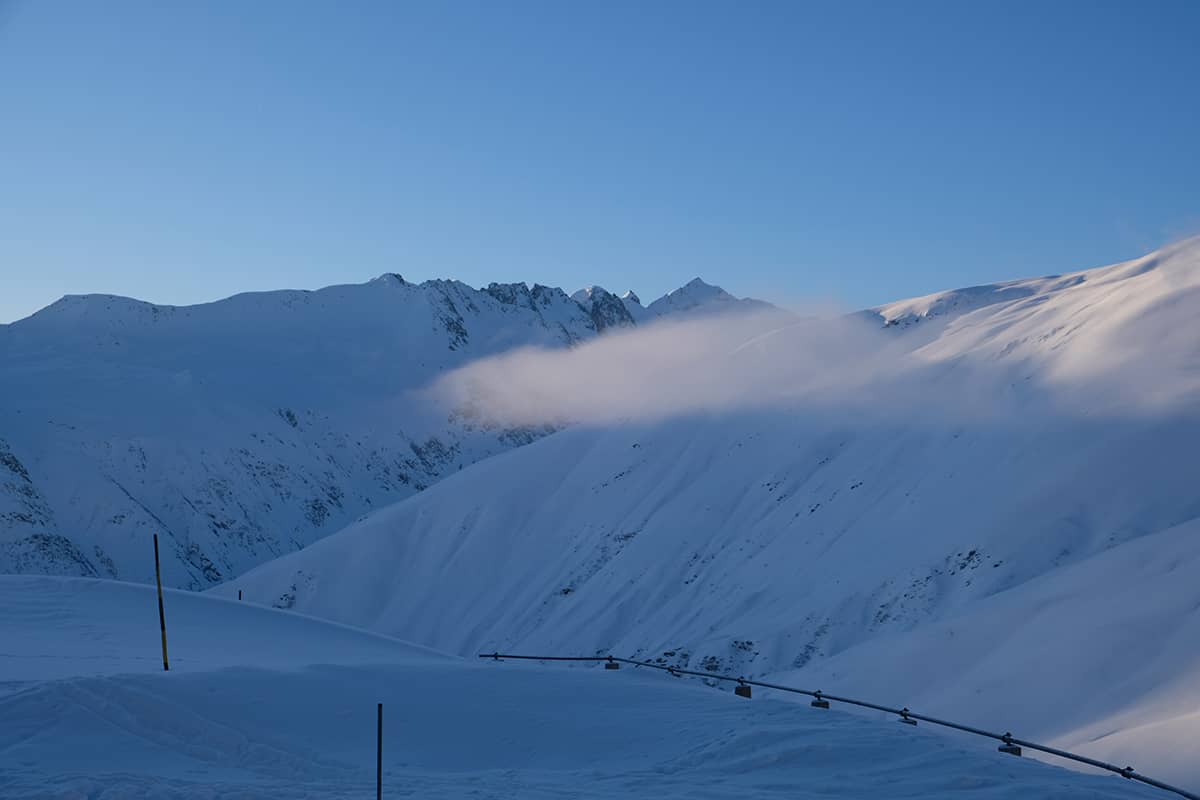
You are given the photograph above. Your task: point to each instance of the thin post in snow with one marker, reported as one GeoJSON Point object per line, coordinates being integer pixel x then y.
{"type": "Point", "coordinates": [162, 619]}
{"type": "Point", "coordinates": [379, 754]}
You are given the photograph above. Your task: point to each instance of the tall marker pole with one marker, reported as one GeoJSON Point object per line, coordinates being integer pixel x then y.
{"type": "Point", "coordinates": [162, 619]}
{"type": "Point", "coordinates": [379, 755]}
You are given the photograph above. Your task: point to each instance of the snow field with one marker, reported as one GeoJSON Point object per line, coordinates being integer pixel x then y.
{"type": "Point", "coordinates": [263, 703]}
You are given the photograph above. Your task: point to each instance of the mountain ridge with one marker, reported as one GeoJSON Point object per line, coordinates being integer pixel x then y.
{"type": "Point", "coordinates": [244, 428]}
{"type": "Point", "coordinates": [392, 279]}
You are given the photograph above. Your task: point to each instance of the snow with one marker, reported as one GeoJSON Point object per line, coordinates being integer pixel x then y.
{"type": "Point", "coordinates": [980, 504]}
{"type": "Point", "coordinates": [698, 296]}
{"type": "Point", "coordinates": [61, 628]}
{"type": "Point", "coordinates": [264, 703]}
{"type": "Point", "coordinates": [633, 305]}
{"type": "Point", "coordinates": [247, 428]}
{"type": "Point", "coordinates": [695, 298]}
{"type": "Point", "coordinates": [999, 501]}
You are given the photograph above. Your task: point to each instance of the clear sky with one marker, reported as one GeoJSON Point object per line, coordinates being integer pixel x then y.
{"type": "Point", "coordinates": [849, 152]}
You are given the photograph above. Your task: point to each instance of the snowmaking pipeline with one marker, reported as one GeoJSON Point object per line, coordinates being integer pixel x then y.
{"type": "Point", "coordinates": [1009, 743]}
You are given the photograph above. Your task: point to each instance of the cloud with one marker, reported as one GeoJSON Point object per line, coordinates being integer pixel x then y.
{"type": "Point", "coordinates": [720, 363]}
{"type": "Point", "coordinates": [1120, 340]}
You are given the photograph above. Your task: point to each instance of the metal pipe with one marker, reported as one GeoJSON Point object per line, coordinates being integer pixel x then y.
{"type": "Point", "coordinates": [904, 713]}
{"type": "Point", "coordinates": [498, 656]}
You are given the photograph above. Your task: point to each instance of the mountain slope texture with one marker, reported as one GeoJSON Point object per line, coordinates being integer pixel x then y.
{"type": "Point", "coordinates": [247, 428]}
{"type": "Point", "coordinates": [983, 502]}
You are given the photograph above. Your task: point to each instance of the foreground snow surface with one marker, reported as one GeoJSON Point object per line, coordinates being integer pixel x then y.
{"type": "Point", "coordinates": [266, 703]}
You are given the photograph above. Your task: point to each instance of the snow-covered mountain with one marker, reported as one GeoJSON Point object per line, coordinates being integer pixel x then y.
{"type": "Point", "coordinates": [694, 297]}
{"type": "Point", "coordinates": [247, 428]}
{"type": "Point", "coordinates": [986, 503]}
{"type": "Point", "coordinates": [605, 308]}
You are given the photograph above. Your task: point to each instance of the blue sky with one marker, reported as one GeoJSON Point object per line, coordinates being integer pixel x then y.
{"type": "Point", "coordinates": [847, 152]}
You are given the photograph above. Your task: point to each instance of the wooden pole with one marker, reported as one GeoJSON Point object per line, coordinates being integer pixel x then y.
{"type": "Point", "coordinates": [162, 619]}
{"type": "Point", "coordinates": [379, 755]}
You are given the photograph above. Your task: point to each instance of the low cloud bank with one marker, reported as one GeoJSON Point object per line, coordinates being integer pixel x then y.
{"type": "Point", "coordinates": [1121, 340]}
{"type": "Point", "coordinates": [728, 362]}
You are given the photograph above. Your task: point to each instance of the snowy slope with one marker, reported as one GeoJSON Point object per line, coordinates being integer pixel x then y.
{"type": "Point", "coordinates": [262, 703]}
{"type": "Point", "coordinates": [63, 628]}
{"type": "Point", "coordinates": [633, 305]}
{"type": "Point", "coordinates": [244, 429]}
{"type": "Point", "coordinates": [1121, 628]}
{"type": "Point", "coordinates": [998, 464]}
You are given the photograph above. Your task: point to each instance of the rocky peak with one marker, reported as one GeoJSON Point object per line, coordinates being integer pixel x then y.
{"type": "Point", "coordinates": [604, 307]}
{"type": "Point", "coordinates": [511, 294]}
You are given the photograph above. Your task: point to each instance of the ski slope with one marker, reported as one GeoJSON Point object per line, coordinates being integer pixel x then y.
{"type": "Point", "coordinates": [264, 703]}
{"type": "Point", "coordinates": [981, 503]}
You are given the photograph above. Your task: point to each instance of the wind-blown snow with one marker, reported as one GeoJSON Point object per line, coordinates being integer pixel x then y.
{"type": "Point", "coordinates": [957, 491]}
{"type": "Point", "coordinates": [262, 703]}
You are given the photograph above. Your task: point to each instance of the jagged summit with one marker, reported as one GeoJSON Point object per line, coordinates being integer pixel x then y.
{"type": "Point", "coordinates": [694, 297]}
{"type": "Point", "coordinates": [698, 296]}
{"type": "Point", "coordinates": [695, 294]}
{"type": "Point", "coordinates": [605, 308]}
{"type": "Point", "coordinates": [390, 278]}
{"type": "Point", "coordinates": [585, 294]}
